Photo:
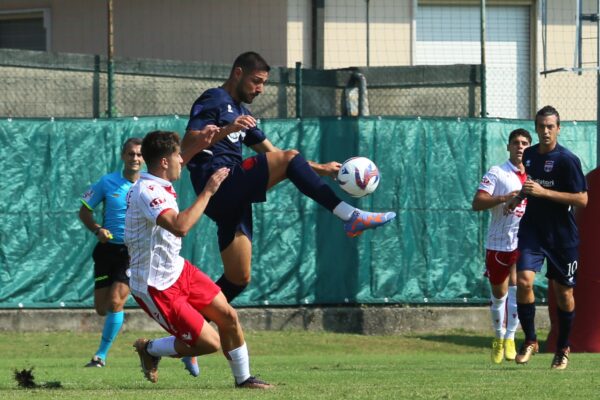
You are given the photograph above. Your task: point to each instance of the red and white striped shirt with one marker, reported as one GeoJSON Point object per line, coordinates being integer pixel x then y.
{"type": "Point", "coordinates": [503, 229]}
{"type": "Point", "coordinates": [154, 258]}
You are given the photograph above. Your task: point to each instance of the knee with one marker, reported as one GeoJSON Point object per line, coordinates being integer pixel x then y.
{"type": "Point", "coordinates": [524, 285]}
{"type": "Point", "coordinates": [229, 320]}
{"type": "Point", "coordinates": [290, 154]}
{"type": "Point", "coordinates": [565, 301]}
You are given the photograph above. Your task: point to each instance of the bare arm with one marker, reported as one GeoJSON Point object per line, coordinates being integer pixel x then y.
{"type": "Point", "coordinates": [264, 147]}
{"type": "Point", "coordinates": [87, 217]}
{"type": "Point", "coordinates": [483, 200]}
{"type": "Point", "coordinates": [195, 141]}
{"type": "Point", "coordinates": [180, 224]}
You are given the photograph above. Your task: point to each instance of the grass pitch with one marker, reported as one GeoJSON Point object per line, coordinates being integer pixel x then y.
{"type": "Point", "coordinates": [303, 366]}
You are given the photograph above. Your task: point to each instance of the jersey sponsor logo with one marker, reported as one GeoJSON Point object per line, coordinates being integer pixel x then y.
{"type": "Point", "coordinates": [229, 108]}
{"type": "Point", "coordinates": [545, 183]}
{"type": "Point", "coordinates": [548, 165]}
{"type": "Point", "coordinates": [235, 136]}
{"type": "Point", "coordinates": [116, 195]}
{"type": "Point", "coordinates": [527, 163]}
{"type": "Point", "coordinates": [156, 202]}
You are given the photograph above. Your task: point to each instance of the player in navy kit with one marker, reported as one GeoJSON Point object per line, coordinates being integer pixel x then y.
{"type": "Point", "coordinates": [548, 231]}
{"type": "Point", "coordinates": [250, 179]}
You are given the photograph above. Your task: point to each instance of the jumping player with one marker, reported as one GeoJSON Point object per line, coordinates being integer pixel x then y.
{"type": "Point", "coordinates": [500, 184]}
{"type": "Point", "coordinates": [250, 179]}
{"type": "Point", "coordinates": [548, 231]}
{"type": "Point", "coordinates": [170, 289]}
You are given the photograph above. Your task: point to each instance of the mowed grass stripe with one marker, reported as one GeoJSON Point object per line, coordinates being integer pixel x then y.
{"type": "Point", "coordinates": [303, 365]}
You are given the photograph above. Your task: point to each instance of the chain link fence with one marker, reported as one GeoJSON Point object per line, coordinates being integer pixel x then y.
{"type": "Point", "coordinates": [41, 84]}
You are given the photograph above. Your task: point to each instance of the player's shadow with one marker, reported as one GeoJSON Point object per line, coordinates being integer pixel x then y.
{"type": "Point", "coordinates": [467, 340]}
{"type": "Point", "coordinates": [458, 339]}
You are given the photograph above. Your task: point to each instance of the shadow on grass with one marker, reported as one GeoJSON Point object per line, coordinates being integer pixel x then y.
{"type": "Point", "coordinates": [470, 340]}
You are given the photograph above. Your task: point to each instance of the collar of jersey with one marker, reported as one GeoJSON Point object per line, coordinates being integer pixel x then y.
{"type": "Point", "coordinates": [161, 181]}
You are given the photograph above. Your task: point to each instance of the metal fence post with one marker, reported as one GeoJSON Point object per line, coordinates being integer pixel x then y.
{"type": "Point", "coordinates": [483, 78]}
{"type": "Point", "coordinates": [110, 63]}
{"type": "Point", "coordinates": [298, 89]}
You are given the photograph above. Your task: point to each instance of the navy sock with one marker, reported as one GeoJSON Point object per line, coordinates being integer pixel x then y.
{"type": "Point", "coordinates": [527, 318]}
{"type": "Point", "coordinates": [565, 322]}
{"type": "Point", "coordinates": [230, 290]}
{"type": "Point", "coordinates": [311, 184]}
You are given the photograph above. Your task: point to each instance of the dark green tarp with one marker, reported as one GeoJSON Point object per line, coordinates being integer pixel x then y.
{"type": "Point", "coordinates": [430, 168]}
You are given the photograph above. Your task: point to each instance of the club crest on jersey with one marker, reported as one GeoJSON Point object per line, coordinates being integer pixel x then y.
{"type": "Point", "coordinates": [485, 181]}
{"type": "Point", "coordinates": [235, 136]}
{"type": "Point", "coordinates": [548, 165]}
{"type": "Point", "coordinates": [528, 163]}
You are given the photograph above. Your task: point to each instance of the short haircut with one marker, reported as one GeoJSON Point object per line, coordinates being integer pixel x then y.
{"type": "Point", "coordinates": [250, 61]}
{"type": "Point", "coordinates": [546, 112]}
{"type": "Point", "coordinates": [159, 144]}
{"type": "Point", "coordinates": [519, 132]}
{"type": "Point", "coordinates": [134, 141]}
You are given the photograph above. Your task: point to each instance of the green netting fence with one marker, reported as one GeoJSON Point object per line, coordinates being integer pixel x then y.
{"type": "Point", "coordinates": [432, 253]}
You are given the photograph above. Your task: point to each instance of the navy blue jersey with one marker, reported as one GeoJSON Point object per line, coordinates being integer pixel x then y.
{"type": "Point", "coordinates": [545, 221]}
{"type": "Point", "coordinates": [216, 107]}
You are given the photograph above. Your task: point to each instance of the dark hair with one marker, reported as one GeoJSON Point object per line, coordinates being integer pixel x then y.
{"type": "Point", "coordinates": [159, 144]}
{"type": "Point", "coordinates": [519, 132]}
{"type": "Point", "coordinates": [135, 141]}
{"type": "Point", "coordinates": [250, 61]}
{"type": "Point", "coordinates": [546, 112]}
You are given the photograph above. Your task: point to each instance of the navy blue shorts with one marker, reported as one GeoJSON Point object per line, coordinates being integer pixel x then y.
{"type": "Point", "coordinates": [111, 262]}
{"type": "Point", "coordinates": [231, 206]}
{"type": "Point", "coordinates": [562, 263]}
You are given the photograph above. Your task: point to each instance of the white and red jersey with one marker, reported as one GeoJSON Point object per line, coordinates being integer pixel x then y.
{"type": "Point", "coordinates": [154, 258]}
{"type": "Point", "coordinates": [498, 181]}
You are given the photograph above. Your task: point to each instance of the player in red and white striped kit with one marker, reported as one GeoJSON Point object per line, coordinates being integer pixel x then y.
{"type": "Point", "coordinates": [500, 184]}
{"type": "Point", "coordinates": [170, 289]}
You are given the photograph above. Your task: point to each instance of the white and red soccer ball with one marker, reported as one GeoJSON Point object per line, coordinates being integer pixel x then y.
{"type": "Point", "coordinates": [358, 176]}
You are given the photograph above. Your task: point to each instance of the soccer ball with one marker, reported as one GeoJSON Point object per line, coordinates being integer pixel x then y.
{"type": "Point", "coordinates": [358, 176]}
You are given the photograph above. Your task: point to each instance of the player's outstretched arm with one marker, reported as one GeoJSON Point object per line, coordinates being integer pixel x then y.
{"type": "Point", "coordinates": [264, 147]}
{"type": "Point", "coordinates": [180, 224]}
{"type": "Point", "coordinates": [483, 200]}
{"type": "Point", "coordinates": [194, 141]}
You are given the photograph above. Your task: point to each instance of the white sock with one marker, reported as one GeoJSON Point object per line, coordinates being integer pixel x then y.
{"type": "Point", "coordinates": [162, 347]}
{"type": "Point", "coordinates": [512, 317]}
{"type": "Point", "coordinates": [343, 211]}
{"type": "Point", "coordinates": [497, 308]}
{"type": "Point", "coordinates": [239, 361]}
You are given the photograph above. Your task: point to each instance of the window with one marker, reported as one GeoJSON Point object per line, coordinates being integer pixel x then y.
{"type": "Point", "coordinates": [24, 30]}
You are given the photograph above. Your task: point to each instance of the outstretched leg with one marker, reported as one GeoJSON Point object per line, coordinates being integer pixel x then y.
{"type": "Point", "coordinates": [290, 164]}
